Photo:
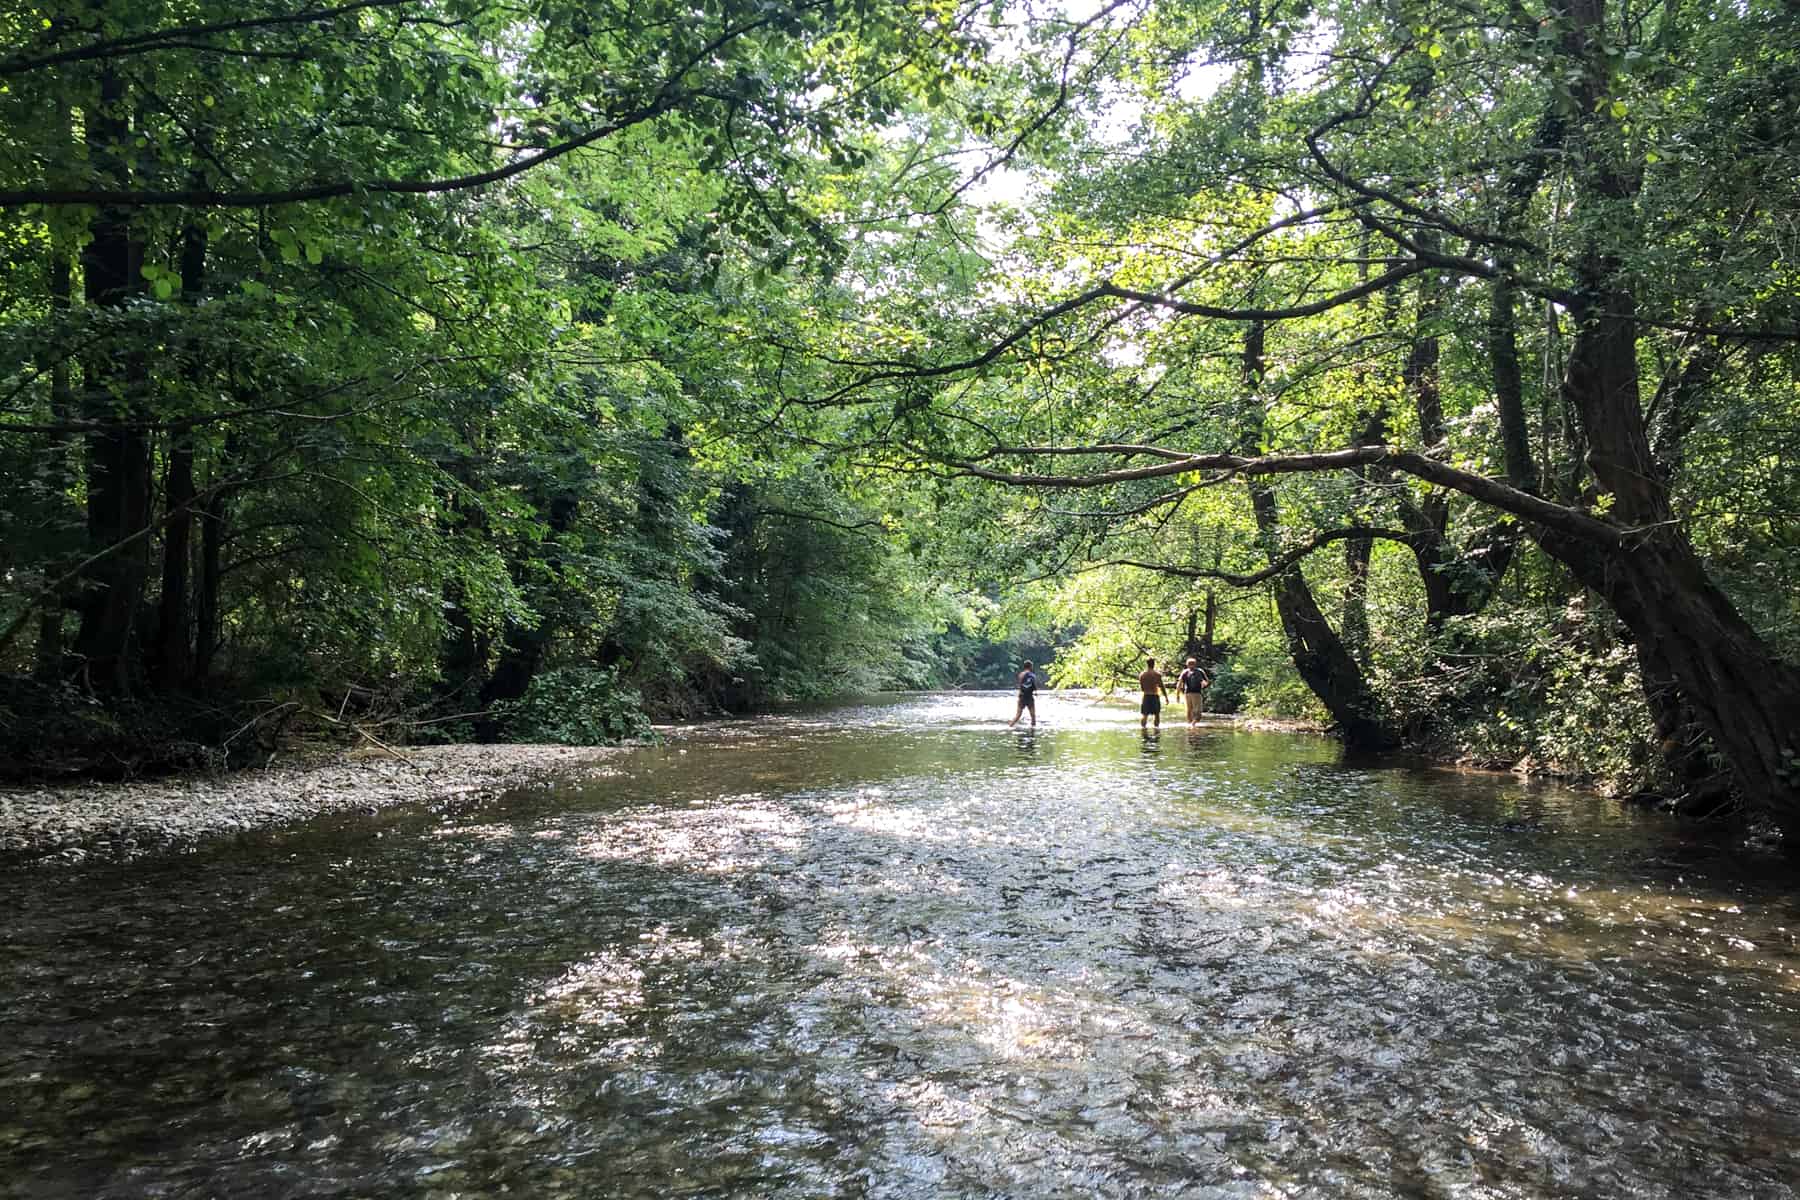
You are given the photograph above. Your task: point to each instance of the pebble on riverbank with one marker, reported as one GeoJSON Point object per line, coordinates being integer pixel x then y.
{"type": "Point", "coordinates": [69, 823]}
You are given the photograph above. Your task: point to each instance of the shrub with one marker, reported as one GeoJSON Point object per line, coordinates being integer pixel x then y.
{"type": "Point", "coordinates": [575, 706]}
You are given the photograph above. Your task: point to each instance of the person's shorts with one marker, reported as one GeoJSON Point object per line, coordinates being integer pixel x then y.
{"type": "Point", "coordinates": [1194, 701]}
{"type": "Point", "coordinates": [1152, 705]}
{"type": "Point", "coordinates": [1027, 699]}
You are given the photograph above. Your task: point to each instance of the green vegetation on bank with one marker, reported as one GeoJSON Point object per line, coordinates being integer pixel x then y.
{"type": "Point", "coordinates": [430, 369]}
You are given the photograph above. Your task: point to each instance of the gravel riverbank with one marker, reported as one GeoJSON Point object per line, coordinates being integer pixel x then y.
{"type": "Point", "coordinates": [69, 823]}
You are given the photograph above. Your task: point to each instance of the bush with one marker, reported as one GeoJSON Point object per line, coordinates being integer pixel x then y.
{"type": "Point", "coordinates": [1230, 687]}
{"type": "Point", "coordinates": [574, 706]}
{"type": "Point", "coordinates": [1546, 689]}
{"type": "Point", "coordinates": [51, 730]}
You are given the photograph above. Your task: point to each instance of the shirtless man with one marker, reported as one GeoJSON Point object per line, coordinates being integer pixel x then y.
{"type": "Point", "coordinates": [1153, 687]}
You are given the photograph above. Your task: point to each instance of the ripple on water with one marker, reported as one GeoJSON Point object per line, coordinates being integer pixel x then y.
{"type": "Point", "coordinates": [899, 951]}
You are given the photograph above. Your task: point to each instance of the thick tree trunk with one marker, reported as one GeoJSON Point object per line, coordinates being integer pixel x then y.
{"type": "Point", "coordinates": [1690, 760]}
{"type": "Point", "coordinates": [118, 454]}
{"type": "Point", "coordinates": [1686, 628]}
{"type": "Point", "coordinates": [1746, 698]}
{"type": "Point", "coordinates": [1319, 655]}
{"type": "Point", "coordinates": [1691, 768]}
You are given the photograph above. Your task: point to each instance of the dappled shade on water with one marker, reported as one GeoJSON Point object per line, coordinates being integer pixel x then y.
{"type": "Point", "coordinates": [899, 951]}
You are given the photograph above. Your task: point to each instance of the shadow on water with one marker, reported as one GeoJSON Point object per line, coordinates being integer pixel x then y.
{"type": "Point", "coordinates": [900, 951]}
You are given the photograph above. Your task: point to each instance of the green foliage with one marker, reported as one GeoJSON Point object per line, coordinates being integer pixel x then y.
{"type": "Point", "coordinates": [438, 306]}
{"type": "Point", "coordinates": [575, 706]}
{"type": "Point", "coordinates": [499, 358]}
{"type": "Point", "coordinates": [1539, 684]}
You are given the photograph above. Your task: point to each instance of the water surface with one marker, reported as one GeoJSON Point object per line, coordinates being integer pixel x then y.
{"type": "Point", "coordinates": [898, 951]}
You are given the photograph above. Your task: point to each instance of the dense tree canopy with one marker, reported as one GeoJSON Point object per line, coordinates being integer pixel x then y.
{"type": "Point", "coordinates": [1427, 365]}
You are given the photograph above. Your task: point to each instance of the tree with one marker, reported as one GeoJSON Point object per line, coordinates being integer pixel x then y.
{"type": "Point", "coordinates": [1494, 153]}
{"type": "Point", "coordinates": [299, 228]}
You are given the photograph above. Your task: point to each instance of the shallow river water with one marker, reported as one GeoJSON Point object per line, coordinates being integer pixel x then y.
{"type": "Point", "coordinates": [899, 951]}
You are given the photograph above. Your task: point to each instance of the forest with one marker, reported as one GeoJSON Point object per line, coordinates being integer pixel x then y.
{"type": "Point", "coordinates": [470, 371]}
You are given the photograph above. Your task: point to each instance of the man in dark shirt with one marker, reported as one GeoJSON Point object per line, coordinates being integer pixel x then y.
{"type": "Point", "coordinates": [1027, 696]}
{"type": "Point", "coordinates": [1152, 685]}
{"type": "Point", "coordinates": [1191, 685]}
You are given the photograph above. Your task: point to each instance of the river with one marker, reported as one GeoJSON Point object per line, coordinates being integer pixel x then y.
{"type": "Point", "coordinates": [896, 950]}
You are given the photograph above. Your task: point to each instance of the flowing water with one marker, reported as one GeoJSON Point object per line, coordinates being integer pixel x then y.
{"type": "Point", "coordinates": [899, 951]}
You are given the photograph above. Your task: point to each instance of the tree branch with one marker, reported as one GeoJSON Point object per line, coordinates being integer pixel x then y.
{"type": "Point", "coordinates": [206, 198]}
{"type": "Point", "coordinates": [1277, 565]}
{"type": "Point", "coordinates": [666, 99]}
{"type": "Point", "coordinates": [1492, 492]}
{"type": "Point", "coordinates": [860, 527]}
{"type": "Point", "coordinates": [154, 39]}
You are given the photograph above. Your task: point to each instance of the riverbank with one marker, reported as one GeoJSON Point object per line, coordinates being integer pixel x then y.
{"type": "Point", "coordinates": [70, 823]}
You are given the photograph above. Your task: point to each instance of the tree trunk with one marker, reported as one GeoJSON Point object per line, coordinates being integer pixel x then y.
{"type": "Point", "coordinates": [1686, 628]}
{"type": "Point", "coordinates": [1460, 580]}
{"type": "Point", "coordinates": [207, 599]}
{"type": "Point", "coordinates": [174, 656]}
{"type": "Point", "coordinates": [1509, 386]}
{"type": "Point", "coordinates": [173, 659]}
{"type": "Point", "coordinates": [1318, 653]}
{"type": "Point", "coordinates": [522, 647]}
{"type": "Point", "coordinates": [1690, 762]}
{"type": "Point", "coordinates": [118, 454]}
{"type": "Point", "coordinates": [1209, 650]}
{"type": "Point", "coordinates": [51, 643]}
{"type": "Point", "coordinates": [1357, 553]}
{"type": "Point", "coordinates": [1745, 697]}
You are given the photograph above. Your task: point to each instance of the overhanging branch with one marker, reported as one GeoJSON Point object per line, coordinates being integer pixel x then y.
{"type": "Point", "coordinates": [1492, 492]}
{"type": "Point", "coordinates": [157, 39]}
{"type": "Point", "coordinates": [1281, 562]}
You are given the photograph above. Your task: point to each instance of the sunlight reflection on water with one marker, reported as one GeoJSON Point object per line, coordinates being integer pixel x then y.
{"type": "Point", "coordinates": [896, 950]}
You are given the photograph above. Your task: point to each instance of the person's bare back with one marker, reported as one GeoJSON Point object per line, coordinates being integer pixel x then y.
{"type": "Point", "coordinates": [1151, 683]}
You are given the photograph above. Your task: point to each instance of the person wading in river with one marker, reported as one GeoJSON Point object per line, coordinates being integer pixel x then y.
{"type": "Point", "coordinates": [1027, 696]}
{"type": "Point", "coordinates": [1191, 685]}
{"type": "Point", "coordinates": [1153, 687]}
